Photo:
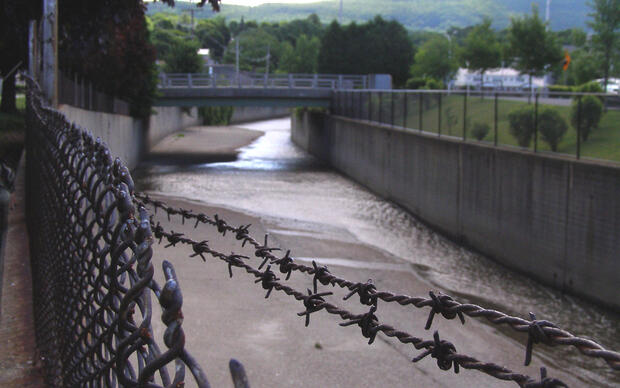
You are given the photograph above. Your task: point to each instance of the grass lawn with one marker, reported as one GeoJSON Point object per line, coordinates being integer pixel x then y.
{"type": "Point", "coordinates": [603, 142]}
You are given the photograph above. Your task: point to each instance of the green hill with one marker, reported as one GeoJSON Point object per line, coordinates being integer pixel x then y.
{"type": "Point", "coordinates": [414, 14]}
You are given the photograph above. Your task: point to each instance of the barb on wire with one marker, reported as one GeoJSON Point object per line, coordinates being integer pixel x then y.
{"type": "Point", "coordinates": [440, 304]}
{"type": "Point", "coordinates": [368, 322]}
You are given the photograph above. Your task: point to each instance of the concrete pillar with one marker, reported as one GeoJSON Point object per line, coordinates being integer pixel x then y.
{"type": "Point", "coordinates": [50, 51]}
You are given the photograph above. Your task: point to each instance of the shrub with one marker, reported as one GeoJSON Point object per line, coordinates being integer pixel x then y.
{"type": "Point", "coordinates": [591, 112]}
{"type": "Point", "coordinates": [552, 127]}
{"type": "Point", "coordinates": [561, 88]}
{"type": "Point", "coordinates": [215, 115]}
{"type": "Point", "coordinates": [415, 83]}
{"type": "Point", "coordinates": [521, 122]}
{"type": "Point", "coordinates": [589, 87]}
{"type": "Point", "coordinates": [480, 130]}
{"type": "Point", "coordinates": [433, 84]}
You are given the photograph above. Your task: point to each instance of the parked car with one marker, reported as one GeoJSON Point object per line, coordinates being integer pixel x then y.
{"type": "Point", "coordinates": [613, 85]}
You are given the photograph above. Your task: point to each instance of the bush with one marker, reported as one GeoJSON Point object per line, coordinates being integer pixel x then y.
{"type": "Point", "coordinates": [561, 88]}
{"type": "Point", "coordinates": [591, 112]}
{"type": "Point", "coordinates": [433, 84]}
{"type": "Point", "coordinates": [521, 122]}
{"type": "Point", "coordinates": [415, 83]}
{"type": "Point", "coordinates": [552, 127]}
{"type": "Point", "coordinates": [589, 87]}
{"type": "Point", "coordinates": [480, 130]}
{"type": "Point", "coordinates": [215, 115]}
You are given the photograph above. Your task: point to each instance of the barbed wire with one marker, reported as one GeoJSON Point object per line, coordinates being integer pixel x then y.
{"type": "Point", "coordinates": [443, 351]}
{"type": "Point", "coordinates": [539, 331]}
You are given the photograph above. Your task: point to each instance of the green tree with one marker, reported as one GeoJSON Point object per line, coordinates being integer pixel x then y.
{"type": "Point", "coordinates": [481, 51]}
{"type": "Point", "coordinates": [378, 46]}
{"type": "Point", "coordinates": [213, 34]}
{"type": "Point", "coordinates": [303, 58]}
{"type": "Point", "coordinates": [183, 58]}
{"type": "Point", "coordinates": [606, 27]}
{"type": "Point", "coordinates": [552, 127]}
{"type": "Point", "coordinates": [253, 46]}
{"type": "Point", "coordinates": [433, 60]}
{"type": "Point", "coordinates": [521, 124]}
{"type": "Point", "coordinates": [532, 45]}
{"type": "Point", "coordinates": [586, 119]}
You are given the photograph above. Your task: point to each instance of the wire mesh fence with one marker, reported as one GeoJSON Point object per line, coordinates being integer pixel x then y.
{"type": "Point", "coordinates": [583, 125]}
{"type": "Point", "coordinates": [91, 264]}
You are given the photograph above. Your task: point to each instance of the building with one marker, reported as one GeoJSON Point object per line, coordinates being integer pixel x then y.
{"type": "Point", "coordinates": [507, 79]}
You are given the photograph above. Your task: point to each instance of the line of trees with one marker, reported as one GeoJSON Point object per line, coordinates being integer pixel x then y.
{"type": "Point", "coordinates": [110, 42]}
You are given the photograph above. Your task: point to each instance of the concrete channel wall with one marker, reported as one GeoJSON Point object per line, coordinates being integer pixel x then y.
{"type": "Point", "coordinates": [244, 114]}
{"type": "Point", "coordinates": [128, 138]}
{"type": "Point", "coordinates": [554, 218]}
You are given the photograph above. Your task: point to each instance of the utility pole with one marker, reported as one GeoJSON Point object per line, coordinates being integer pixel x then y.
{"type": "Point", "coordinates": [50, 51]}
{"type": "Point", "coordinates": [237, 61]}
{"type": "Point", "coordinates": [548, 12]}
{"type": "Point", "coordinates": [340, 13]}
{"type": "Point", "coordinates": [267, 58]}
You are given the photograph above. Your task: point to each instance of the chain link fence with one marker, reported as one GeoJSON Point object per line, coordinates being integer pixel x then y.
{"type": "Point", "coordinates": [91, 266]}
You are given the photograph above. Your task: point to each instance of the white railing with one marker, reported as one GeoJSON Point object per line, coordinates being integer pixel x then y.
{"type": "Point", "coordinates": [259, 80]}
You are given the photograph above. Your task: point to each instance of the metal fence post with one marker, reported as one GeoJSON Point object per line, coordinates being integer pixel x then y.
{"type": "Point", "coordinates": [536, 123]}
{"type": "Point", "coordinates": [380, 107]}
{"type": "Point", "coordinates": [392, 108]}
{"type": "Point", "coordinates": [369, 106]}
{"type": "Point", "coordinates": [190, 82]}
{"type": "Point", "coordinates": [420, 111]}
{"type": "Point", "coordinates": [495, 122]}
{"type": "Point", "coordinates": [405, 109]}
{"type": "Point", "coordinates": [439, 115]}
{"type": "Point", "coordinates": [360, 103]}
{"type": "Point", "coordinates": [464, 116]}
{"type": "Point", "coordinates": [578, 127]}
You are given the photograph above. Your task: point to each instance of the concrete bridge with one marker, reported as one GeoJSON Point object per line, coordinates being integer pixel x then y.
{"type": "Point", "coordinates": [253, 89]}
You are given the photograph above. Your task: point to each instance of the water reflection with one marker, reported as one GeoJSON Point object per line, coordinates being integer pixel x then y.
{"type": "Point", "coordinates": [274, 178]}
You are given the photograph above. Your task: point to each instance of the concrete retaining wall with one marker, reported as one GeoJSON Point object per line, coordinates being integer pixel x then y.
{"type": "Point", "coordinates": [244, 114]}
{"type": "Point", "coordinates": [553, 218]}
{"type": "Point", "coordinates": [127, 137]}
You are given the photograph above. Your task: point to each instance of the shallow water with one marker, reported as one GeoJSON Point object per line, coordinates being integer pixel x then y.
{"type": "Point", "coordinates": [273, 178]}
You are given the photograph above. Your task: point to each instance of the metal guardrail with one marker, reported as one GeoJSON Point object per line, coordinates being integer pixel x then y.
{"type": "Point", "coordinates": [91, 265]}
{"type": "Point", "coordinates": [456, 114]}
{"type": "Point", "coordinates": [261, 80]}
{"type": "Point", "coordinates": [81, 93]}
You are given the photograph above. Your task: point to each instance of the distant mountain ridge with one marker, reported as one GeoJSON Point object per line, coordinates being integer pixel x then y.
{"type": "Point", "coordinates": [436, 15]}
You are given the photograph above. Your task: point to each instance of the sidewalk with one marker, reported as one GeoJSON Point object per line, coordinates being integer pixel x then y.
{"type": "Point", "coordinates": [18, 367]}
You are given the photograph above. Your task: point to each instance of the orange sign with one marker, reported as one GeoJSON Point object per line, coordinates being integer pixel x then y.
{"type": "Point", "coordinates": [566, 61]}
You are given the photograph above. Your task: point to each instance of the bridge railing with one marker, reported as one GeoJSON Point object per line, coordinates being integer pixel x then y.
{"type": "Point", "coordinates": [576, 124]}
{"type": "Point", "coordinates": [261, 80]}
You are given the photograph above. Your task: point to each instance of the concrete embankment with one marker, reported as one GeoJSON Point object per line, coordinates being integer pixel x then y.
{"type": "Point", "coordinates": [554, 218]}
{"type": "Point", "coordinates": [129, 138]}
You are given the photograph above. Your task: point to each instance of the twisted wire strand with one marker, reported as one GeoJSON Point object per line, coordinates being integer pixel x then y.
{"type": "Point", "coordinates": [448, 307]}
{"type": "Point", "coordinates": [368, 322]}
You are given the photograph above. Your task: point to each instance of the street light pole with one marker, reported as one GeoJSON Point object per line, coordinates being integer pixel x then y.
{"type": "Point", "coordinates": [237, 61]}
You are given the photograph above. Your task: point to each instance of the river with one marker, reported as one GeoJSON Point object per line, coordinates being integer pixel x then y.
{"type": "Point", "coordinates": [274, 178]}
